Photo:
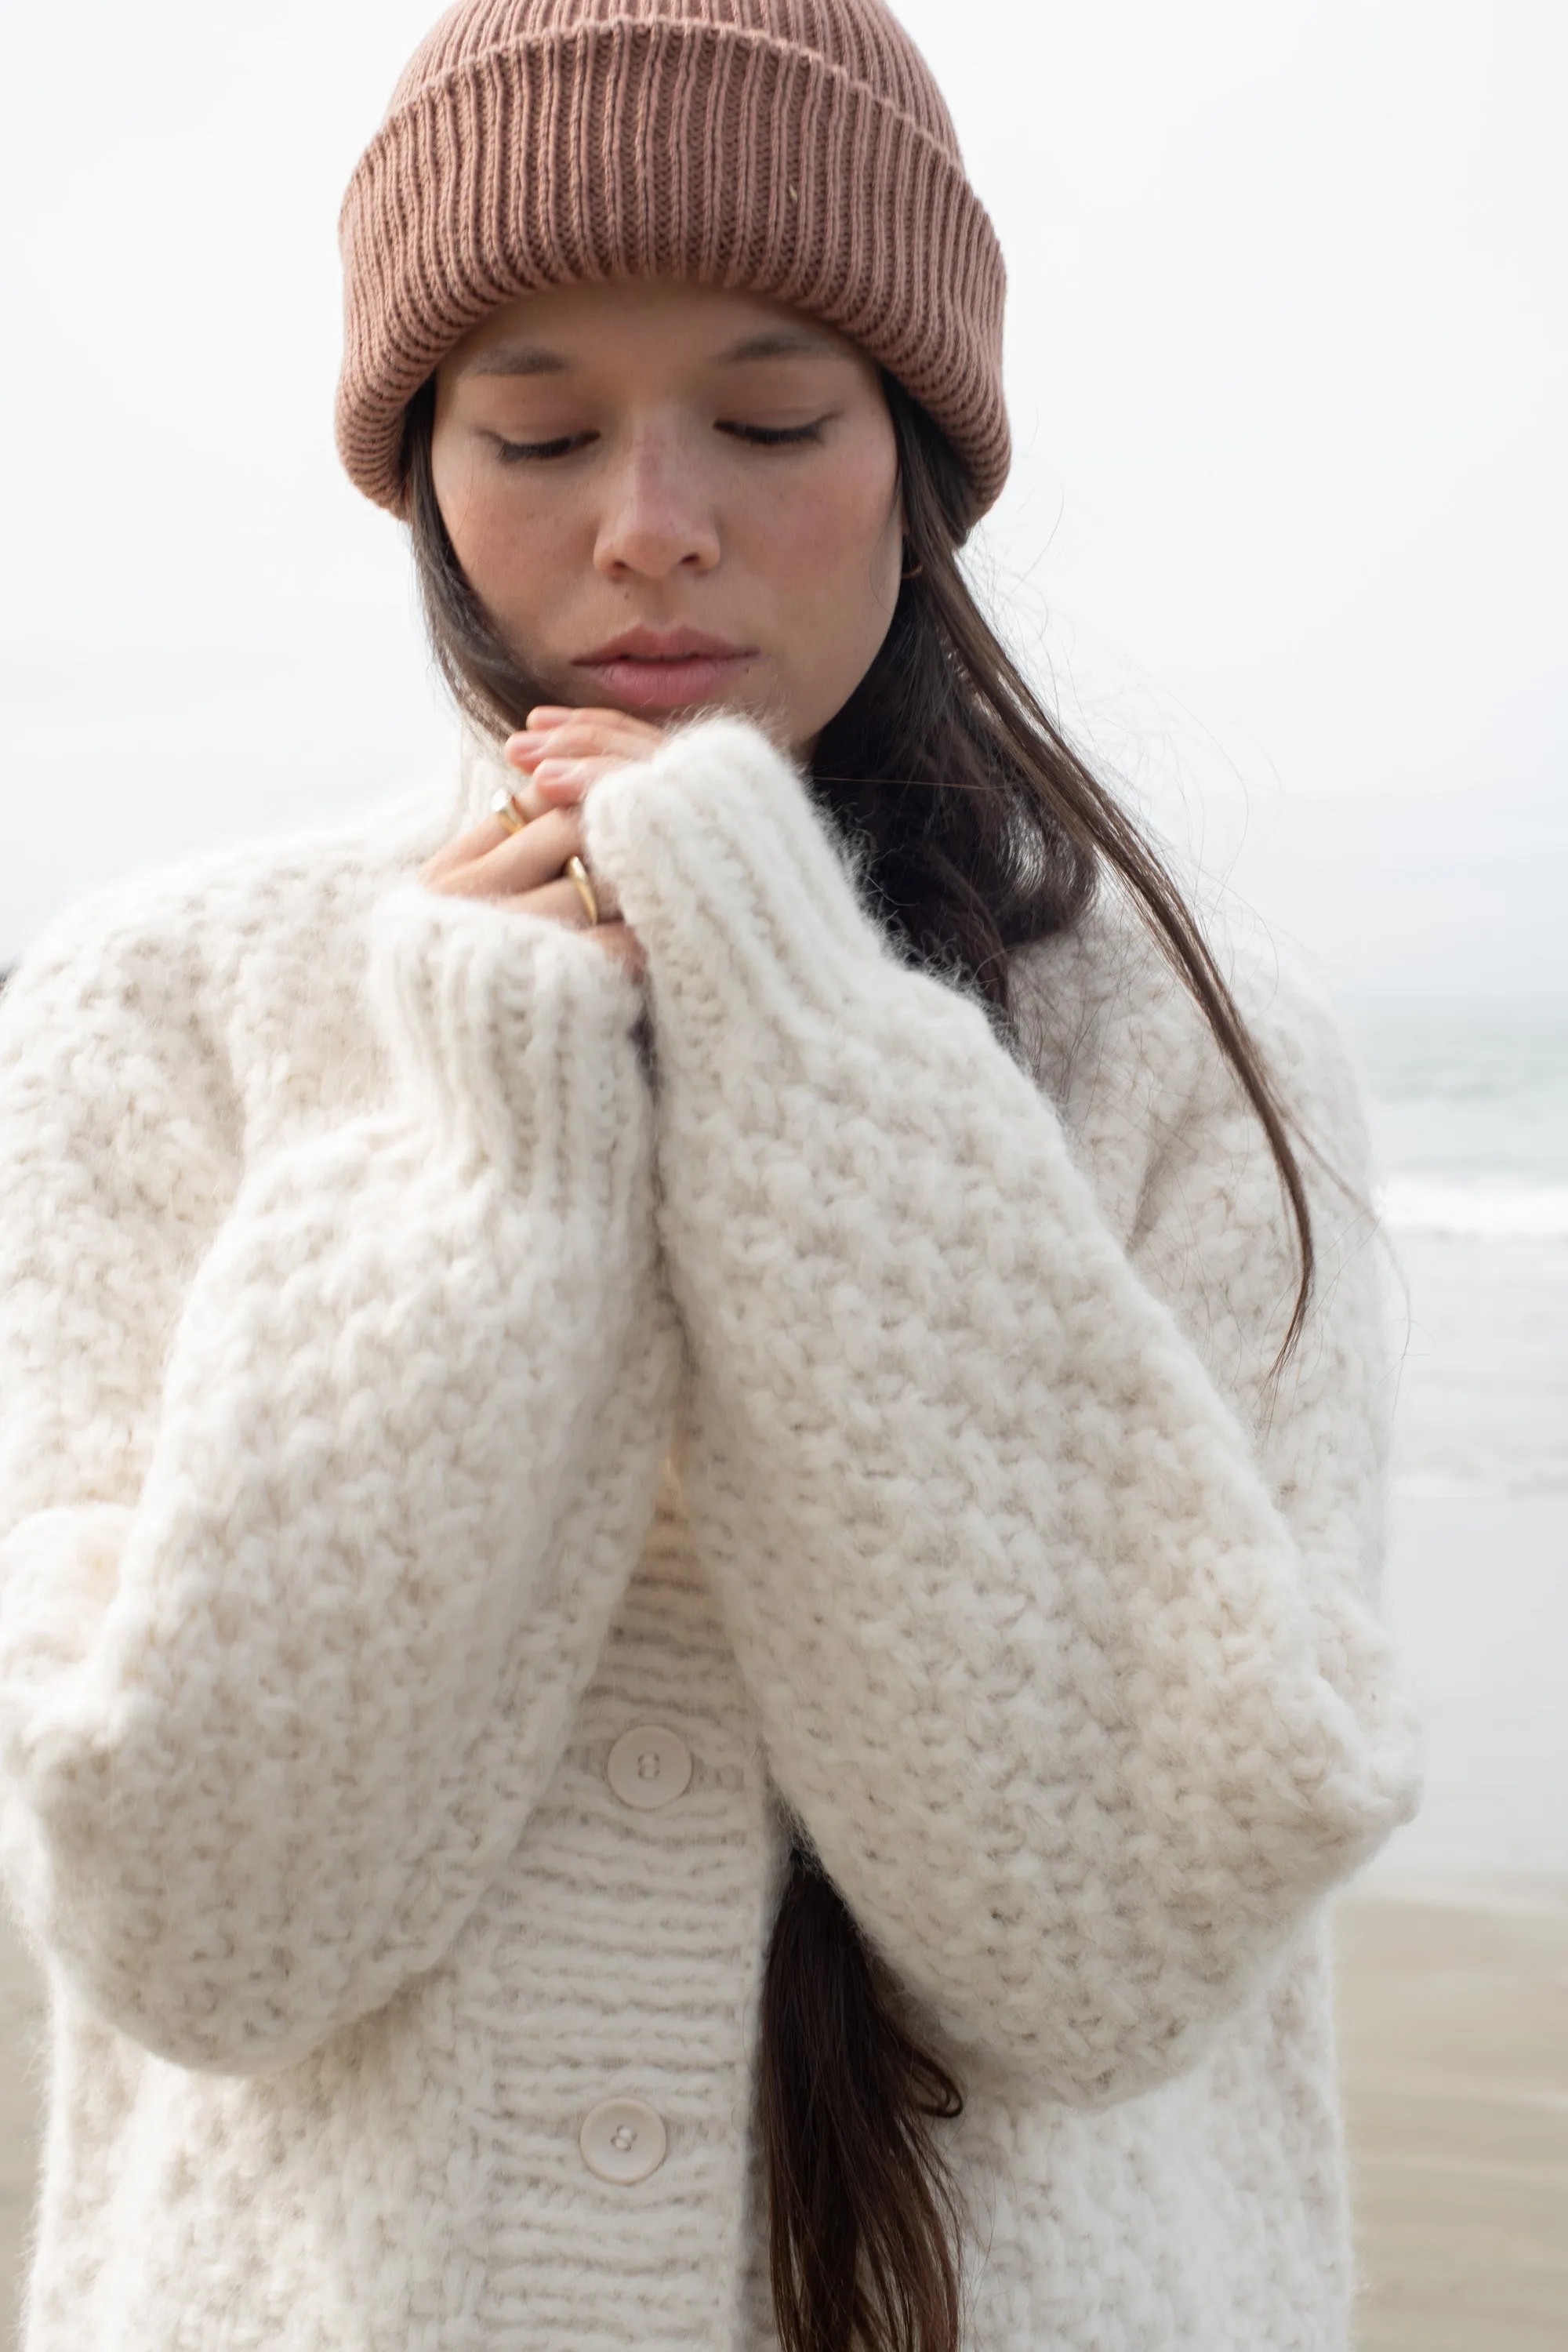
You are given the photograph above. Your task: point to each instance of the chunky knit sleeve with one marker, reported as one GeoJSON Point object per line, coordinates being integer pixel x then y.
{"type": "Point", "coordinates": [319, 1481]}
{"type": "Point", "coordinates": [1080, 1711]}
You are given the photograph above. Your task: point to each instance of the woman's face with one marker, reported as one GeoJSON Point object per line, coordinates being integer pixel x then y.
{"type": "Point", "coordinates": [668, 497]}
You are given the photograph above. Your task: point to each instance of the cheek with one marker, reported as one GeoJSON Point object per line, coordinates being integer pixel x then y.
{"type": "Point", "coordinates": [842, 529]}
{"type": "Point", "coordinates": [839, 552]}
{"type": "Point", "coordinates": [511, 545]}
{"type": "Point", "coordinates": [831, 544]}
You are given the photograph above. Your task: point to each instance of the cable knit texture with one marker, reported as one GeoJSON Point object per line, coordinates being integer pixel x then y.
{"type": "Point", "coordinates": [426, 1359]}
{"type": "Point", "coordinates": [796, 149]}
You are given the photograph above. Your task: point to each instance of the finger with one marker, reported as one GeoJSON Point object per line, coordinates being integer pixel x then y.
{"type": "Point", "coordinates": [463, 849]}
{"type": "Point", "coordinates": [621, 724]}
{"type": "Point", "coordinates": [637, 737]}
{"type": "Point", "coordinates": [561, 901]}
{"type": "Point", "coordinates": [525, 800]}
{"type": "Point", "coordinates": [510, 872]}
{"type": "Point", "coordinates": [619, 940]}
{"type": "Point", "coordinates": [480, 839]}
{"type": "Point", "coordinates": [502, 864]}
{"type": "Point", "coordinates": [566, 784]}
{"type": "Point", "coordinates": [527, 751]}
{"type": "Point", "coordinates": [584, 732]}
{"type": "Point", "coordinates": [604, 896]}
{"type": "Point", "coordinates": [602, 714]}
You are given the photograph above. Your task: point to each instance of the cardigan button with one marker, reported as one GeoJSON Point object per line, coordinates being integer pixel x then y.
{"type": "Point", "coordinates": [649, 1767]}
{"type": "Point", "coordinates": [623, 2141]}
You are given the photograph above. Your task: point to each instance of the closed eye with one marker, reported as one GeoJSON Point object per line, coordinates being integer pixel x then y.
{"type": "Point", "coordinates": [773, 437]}
{"type": "Point", "coordinates": [757, 436]}
{"type": "Point", "coordinates": [522, 452]}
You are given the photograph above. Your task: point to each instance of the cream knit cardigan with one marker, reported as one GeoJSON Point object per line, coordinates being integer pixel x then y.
{"type": "Point", "coordinates": [415, 1374]}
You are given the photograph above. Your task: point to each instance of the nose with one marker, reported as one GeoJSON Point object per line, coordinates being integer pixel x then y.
{"type": "Point", "coordinates": [655, 518]}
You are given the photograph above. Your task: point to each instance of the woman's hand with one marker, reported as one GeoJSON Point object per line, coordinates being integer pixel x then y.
{"type": "Point", "coordinates": [559, 757]}
{"type": "Point", "coordinates": [565, 751]}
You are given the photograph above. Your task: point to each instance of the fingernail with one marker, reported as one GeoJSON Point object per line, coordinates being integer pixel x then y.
{"type": "Point", "coordinates": [557, 772]}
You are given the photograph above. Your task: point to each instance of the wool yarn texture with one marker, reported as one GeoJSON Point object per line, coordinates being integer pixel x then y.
{"type": "Point", "coordinates": [430, 1357]}
{"type": "Point", "coordinates": [795, 149]}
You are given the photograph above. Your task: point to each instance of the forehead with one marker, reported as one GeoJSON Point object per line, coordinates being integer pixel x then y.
{"type": "Point", "coordinates": [565, 329]}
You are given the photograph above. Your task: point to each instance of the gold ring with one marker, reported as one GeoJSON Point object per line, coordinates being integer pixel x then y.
{"type": "Point", "coordinates": [505, 808]}
{"type": "Point", "coordinates": [578, 876]}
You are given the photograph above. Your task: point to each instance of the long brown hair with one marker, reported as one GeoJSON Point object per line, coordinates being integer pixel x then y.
{"type": "Point", "coordinates": [978, 829]}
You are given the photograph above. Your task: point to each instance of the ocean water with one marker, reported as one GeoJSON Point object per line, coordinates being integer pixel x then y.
{"type": "Point", "coordinates": [1469, 1115]}
{"type": "Point", "coordinates": [1469, 1105]}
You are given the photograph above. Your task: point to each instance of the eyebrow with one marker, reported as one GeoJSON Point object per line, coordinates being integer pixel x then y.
{"type": "Point", "coordinates": [779, 343]}
{"type": "Point", "coordinates": [518, 359]}
{"type": "Point", "coordinates": [772, 343]}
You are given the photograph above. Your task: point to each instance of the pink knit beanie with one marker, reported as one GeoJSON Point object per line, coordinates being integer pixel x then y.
{"type": "Point", "coordinates": [799, 149]}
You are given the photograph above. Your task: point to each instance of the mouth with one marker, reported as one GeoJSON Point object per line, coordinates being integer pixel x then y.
{"type": "Point", "coordinates": [661, 669]}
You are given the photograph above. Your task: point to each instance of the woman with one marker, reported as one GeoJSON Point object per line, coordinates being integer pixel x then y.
{"type": "Point", "coordinates": [691, 1454]}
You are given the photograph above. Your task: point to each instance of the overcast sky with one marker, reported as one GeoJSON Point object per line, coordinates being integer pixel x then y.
{"type": "Point", "coordinates": [1287, 366]}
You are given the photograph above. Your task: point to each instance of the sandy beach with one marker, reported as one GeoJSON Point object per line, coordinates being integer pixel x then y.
{"type": "Point", "coordinates": [19, 2106]}
{"type": "Point", "coordinates": [1454, 2026]}
{"type": "Point", "coordinates": [1454, 2045]}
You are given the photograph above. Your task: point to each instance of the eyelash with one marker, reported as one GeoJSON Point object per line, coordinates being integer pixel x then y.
{"type": "Point", "coordinates": [519, 453]}
{"type": "Point", "coordinates": [758, 437]}
{"type": "Point", "coordinates": [776, 437]}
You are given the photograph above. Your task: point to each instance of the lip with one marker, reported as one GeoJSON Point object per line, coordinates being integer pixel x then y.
{"type": "Point", "coordinates": [662, 669]}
